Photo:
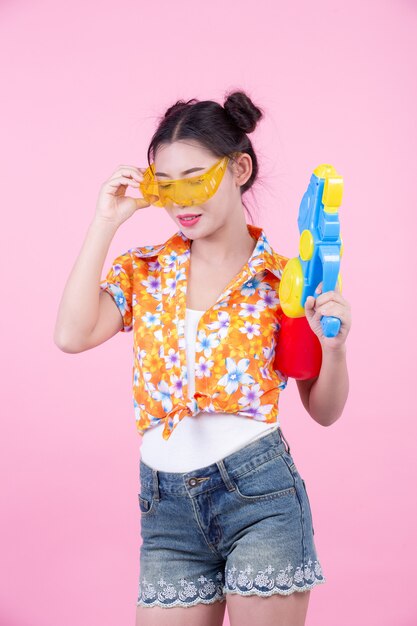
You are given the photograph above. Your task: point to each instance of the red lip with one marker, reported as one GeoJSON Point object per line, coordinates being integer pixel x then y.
{"type": "Point", "coordinates": [188, 215]}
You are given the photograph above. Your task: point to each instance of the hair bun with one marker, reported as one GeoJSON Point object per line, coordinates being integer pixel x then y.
{"type": "Point", "coordinates": [243, 111]}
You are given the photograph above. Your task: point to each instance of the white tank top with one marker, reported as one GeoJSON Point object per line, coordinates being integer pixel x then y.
{"type": "Point", "coordinates": [196, 442]}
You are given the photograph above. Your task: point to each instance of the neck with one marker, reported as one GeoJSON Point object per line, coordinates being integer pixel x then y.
{"type": "Point", "coordinates": [227, 243]}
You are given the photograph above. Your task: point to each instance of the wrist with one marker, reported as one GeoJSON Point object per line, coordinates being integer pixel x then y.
{"type": "Point", "coordinates": [338, 352]}
{"type": "Point", "coordinates": [104, 224]}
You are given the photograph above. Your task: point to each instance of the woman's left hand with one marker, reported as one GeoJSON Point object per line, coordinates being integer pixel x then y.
{"type": "Point", "coordinates": [329, 303]}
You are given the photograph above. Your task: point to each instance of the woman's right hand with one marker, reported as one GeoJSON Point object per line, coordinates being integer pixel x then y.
{"type": "Point", "coordinates": [112, 204]}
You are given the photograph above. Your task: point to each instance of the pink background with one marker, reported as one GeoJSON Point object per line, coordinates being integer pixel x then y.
{"type": "Point", "coordinates": [83, 86]}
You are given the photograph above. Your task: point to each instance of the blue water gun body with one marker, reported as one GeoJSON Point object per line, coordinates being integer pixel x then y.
{"type": "Point", "coordinates": [320, 248]}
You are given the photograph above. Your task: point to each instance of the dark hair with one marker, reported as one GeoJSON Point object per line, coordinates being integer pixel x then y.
{"type": "Point", "coordinates": [221, 129]}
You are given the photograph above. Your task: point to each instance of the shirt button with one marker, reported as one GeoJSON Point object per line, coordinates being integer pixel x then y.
{"type": "Point", "coordinates": [192, 482]}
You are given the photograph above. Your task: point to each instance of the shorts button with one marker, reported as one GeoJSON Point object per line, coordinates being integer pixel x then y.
{"type": "Point", "coordinates": [192, 482]}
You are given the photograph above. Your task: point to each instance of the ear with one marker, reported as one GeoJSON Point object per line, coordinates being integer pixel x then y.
{"type": "Point", "coordinates": [242, 168]}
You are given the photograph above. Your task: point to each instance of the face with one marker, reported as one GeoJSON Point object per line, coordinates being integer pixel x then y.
{"type": "Point", "coordinates": [186, 158]}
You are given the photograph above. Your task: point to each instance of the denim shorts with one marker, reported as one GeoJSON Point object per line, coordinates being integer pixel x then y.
{"type": "Point", "coordinates": [241, 525]}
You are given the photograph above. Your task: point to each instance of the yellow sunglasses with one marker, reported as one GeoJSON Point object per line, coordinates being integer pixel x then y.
{"type": "Point", "coordinates": [183, 191]}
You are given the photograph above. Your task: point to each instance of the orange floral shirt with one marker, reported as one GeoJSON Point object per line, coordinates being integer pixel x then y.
{"type": "Point", "coordinates": [235, 343]}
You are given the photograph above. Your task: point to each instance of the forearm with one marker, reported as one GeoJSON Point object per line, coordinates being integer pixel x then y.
{"type": "Point", "coordinates": [329, 393]}
{"type": "Point", "coordinates": [79, 306]}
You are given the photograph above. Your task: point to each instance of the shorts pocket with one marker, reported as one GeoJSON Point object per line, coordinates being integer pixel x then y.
{"type": "Point", "coordinates": [309, 506]}
{"type": "Point", "coordinates": [146, 504]}
{"type": "Point", "coordinates": [289, 461]}
{"type": "Point", "coordinates": [271, 479]}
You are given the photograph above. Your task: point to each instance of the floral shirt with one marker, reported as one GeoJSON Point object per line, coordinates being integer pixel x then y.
{"type": "Point", "coordinates": [236, 336]}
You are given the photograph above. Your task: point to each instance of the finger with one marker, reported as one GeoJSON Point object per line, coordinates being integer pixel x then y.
{"type": "Point", "coordinates": [309, 306]}
{"type": "Point", "coordinates": [123, 180]}
{"type": "Point", "coordinates": [132, 167]}
{"type": "Point", "coordinates": [309, 303]}
{"type": "Point", "coordinates": [141, 203]}
{"type": "Point", "coordinates": [128, 175]}
{"type": "Point", "coordinates": [128, 170]}
{"type": "Point", "coordinates": [331, 309]}
{"type": "Point", "coordinates": [329, 296]}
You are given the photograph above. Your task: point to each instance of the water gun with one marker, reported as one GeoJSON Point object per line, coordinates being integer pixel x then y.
{"type": "Point", "coordinates": [298, 352]}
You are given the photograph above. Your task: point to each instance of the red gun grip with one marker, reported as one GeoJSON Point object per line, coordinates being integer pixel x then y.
{"type": "Point", "coordinates": [298, 353]}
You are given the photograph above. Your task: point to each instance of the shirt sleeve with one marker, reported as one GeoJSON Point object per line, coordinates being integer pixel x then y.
{"type": "Point", "coordinates": [119, 284]}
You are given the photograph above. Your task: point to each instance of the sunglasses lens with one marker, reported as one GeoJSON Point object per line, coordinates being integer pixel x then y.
{"type": "Point", "coordinates": [149, 188]}
{"type": "Point", "coordinates": [185, 191]}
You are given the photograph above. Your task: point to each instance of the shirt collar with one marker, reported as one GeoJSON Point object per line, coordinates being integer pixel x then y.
{"type": "Point", "coordinates": [262, 257]}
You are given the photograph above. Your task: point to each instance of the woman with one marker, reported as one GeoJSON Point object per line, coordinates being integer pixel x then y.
{"type": "Point", "coordinates": [225, 513]}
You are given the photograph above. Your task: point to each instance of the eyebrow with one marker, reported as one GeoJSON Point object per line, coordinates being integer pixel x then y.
{"type": "Point", "coordinates": [193, 169]}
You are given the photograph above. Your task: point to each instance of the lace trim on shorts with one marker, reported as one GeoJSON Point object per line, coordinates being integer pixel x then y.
{"type": "Point", "coordinates": [285, 582]}
{"type": "Point", "coordinates": [189, 593]}
{"type": "Point", "coordinates": [242, 582]}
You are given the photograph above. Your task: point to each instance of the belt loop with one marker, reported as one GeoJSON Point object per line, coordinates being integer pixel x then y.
{"type": "Point", "coordinates": [223, 471]}
{"type": "Point", "coordinates": [156, 495]}
{"type": "Point", "coordinates": [282, 435]}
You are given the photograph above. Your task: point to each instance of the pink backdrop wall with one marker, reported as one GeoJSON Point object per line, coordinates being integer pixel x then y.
{"type": "Point", "coordinates": [82, 86]}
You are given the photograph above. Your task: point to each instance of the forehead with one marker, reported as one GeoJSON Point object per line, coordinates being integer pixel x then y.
{"type": "Point", "coordinates": [176, 156]}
